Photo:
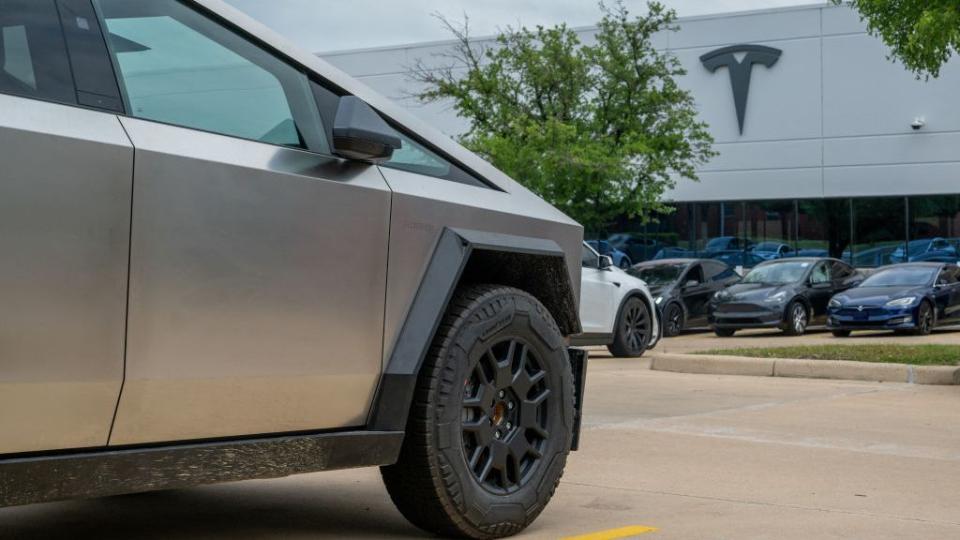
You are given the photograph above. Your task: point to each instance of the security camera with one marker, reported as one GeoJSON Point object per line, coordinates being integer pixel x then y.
{"type": "Point", "coordinates": [918, 123]}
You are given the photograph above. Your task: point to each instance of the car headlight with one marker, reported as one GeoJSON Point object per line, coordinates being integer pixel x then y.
{"type": "Point", "coordinates": [902, 302]}
{"type": "Point", "coordinates": [659, 300]}
{"type": "Point", "coordinates": [776, 298]}
{"type": "Point", "coordinates": [834, 303]}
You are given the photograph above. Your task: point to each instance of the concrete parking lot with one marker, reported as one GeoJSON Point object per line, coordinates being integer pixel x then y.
{"type": "Point", "coordinates": [694, 456]}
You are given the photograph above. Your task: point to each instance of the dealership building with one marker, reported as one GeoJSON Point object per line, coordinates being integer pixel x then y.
{"type": "Point", "coordinates": [825, 146]}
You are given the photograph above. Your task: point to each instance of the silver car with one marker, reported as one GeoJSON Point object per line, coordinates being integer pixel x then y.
{"type": "Point", "coordinates": [224, 259]}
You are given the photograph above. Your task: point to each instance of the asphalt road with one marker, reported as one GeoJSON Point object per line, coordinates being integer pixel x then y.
{"type": "Point", "coordinates": [693, 456]}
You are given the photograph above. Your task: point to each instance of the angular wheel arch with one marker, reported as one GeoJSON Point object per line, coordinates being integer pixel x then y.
{"type": "Point", "coordinates": [462, 257]}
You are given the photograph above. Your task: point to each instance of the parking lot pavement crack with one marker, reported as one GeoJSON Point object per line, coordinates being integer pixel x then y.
{"type": "Point", "coordinates": [767, 504]}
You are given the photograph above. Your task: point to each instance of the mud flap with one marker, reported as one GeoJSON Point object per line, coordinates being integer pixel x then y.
{"type": "Point", "coordinates": [578, 363]}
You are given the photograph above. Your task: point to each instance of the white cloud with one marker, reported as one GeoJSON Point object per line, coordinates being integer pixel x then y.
{"type": "Point", "coordinates": [332, 25]}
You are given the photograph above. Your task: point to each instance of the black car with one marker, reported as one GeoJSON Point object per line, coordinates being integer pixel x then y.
{"type": "Point", "coordinates": [683, 288]}
{"type": "Point", "coordinates": [790, 294]}
{"type": "Point", "coordinates": [912, 297]}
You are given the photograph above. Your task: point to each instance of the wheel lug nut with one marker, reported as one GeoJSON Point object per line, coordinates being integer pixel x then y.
{"type": "Point", "coordinates": [510, 405]}
{"type": "Point", "coordinates": [502, 393]}
{"type": "Point", "coordinates": [497, 435]}
{"type": "Point", "coordinates": [509, 425]}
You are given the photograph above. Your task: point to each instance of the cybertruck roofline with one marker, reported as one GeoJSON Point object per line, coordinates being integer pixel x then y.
{"type": "Point", "coordinates": [537, 207]}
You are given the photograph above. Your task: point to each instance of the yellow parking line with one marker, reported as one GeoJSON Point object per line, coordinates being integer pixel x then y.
{"type": "Point", "coordinates": [611, 534]}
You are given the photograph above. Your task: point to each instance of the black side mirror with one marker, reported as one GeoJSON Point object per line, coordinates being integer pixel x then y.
{"type": "Point", "coordinates": [606, 261]}
{"type": "Point", "coordinates": [360, 133]}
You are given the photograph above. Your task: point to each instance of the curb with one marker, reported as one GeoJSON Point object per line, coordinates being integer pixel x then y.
{"type": "Point", "coordinates": [808, 369]}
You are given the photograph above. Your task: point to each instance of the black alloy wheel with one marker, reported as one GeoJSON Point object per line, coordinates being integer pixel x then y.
{"type": "Point", "coordinates": [504, 418]}
{"type": "Point", "coordinates": [673, 320]}
{"type": "Point", "coordinates": [634, 330]}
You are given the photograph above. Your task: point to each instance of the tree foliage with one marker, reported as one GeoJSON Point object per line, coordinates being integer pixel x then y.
{"type": "Point", "coordinates": [923, 34]}
{"type": "Point", "coordinates": [599, 129]}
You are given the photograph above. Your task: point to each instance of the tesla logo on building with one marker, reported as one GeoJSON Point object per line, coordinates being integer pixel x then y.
{"type": "Point", "coordinates": [740, 70]}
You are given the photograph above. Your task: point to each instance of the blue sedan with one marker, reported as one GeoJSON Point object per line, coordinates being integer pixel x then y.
{"type": "Point", "coordinates": [913, 297]}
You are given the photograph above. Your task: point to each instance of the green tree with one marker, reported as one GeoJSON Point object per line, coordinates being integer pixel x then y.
{"type": "Point", "coordinates": [598, 129]}
{"type": "Point", "coordinates": [923, 34]}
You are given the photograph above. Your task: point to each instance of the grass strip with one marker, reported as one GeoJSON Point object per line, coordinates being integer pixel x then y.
{"type": "Point", "coordinates": [918, 355]}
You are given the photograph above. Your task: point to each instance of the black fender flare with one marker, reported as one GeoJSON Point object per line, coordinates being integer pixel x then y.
{"type": "Point", "coordinates": [449, 266]}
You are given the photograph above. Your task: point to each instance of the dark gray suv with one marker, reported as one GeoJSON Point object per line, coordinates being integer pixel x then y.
{"type": "Point", "coordinates": [224, 259]}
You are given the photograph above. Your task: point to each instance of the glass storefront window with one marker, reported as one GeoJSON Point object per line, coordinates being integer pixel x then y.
{"type": "Point", "coordinates": [865, 232]}
{"type": "Point", "coordinates": [934, 230]}
{"type": "Point", "coordinates": [770, 230]}
{"type": "Point", "coordinates": [823, 228]}
{"type": "Point", "coordinates": [879, 230]}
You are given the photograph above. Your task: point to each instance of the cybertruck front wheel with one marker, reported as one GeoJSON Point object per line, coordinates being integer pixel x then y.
{"type": "Point", "coordinates": [492, 419]}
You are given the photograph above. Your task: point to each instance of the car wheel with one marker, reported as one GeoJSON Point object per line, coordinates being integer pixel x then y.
{"type": "Point", "coordinates": [633, 331]}
{"type": "Point", "coordinates": [673, 320]}
{"type": "Point", "coordinates": [797, 319]}
{"type": "Point", "coordinates": [724, 332]}
{"type": "Point", "coordinates": [925, 319]}
{"type": "Point", "coordinates": [841, 333]}
{"type": "Point", "coordinates": [492, 419]}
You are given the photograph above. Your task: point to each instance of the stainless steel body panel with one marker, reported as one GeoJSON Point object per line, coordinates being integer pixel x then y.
{"type": "Point", "coordinates": [423, 206]}
{"type": "Point", "coordinates": [257, 288]}
{"type": "Point", "coordinates": [515, 210]}
{"type": "Point", "coordinates": [65, 188]}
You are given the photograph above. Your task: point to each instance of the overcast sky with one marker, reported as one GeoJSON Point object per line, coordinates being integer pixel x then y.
{"type": "Point", "coordinates": [332, 25]}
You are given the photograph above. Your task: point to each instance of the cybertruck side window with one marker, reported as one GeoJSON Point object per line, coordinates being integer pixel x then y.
{"type": "Point", "coordinates": [33, 56]}
{"type": "Point", "coordinates": [180, 67]}
{"type": "Point", "coordinates": [417, 158]}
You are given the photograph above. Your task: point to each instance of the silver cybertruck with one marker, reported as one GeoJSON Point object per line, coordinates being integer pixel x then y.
{"type": "Point", "coordinates": [223, 259]}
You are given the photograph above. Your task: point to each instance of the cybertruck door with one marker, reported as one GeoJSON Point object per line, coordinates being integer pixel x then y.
{"type": "Point", "coordinates": [257, 283]}
{"type": "Point", "coordinates": [258, 262]}
{"type": "Point", "coordinates": [65, 187]}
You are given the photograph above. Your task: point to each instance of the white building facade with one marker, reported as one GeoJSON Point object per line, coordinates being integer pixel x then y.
{"type": "Point", "coordinates": [842, 151]}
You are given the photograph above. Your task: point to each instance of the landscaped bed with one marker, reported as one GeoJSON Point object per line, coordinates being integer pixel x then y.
{"type": "Point", "coordinates": [919, 355]}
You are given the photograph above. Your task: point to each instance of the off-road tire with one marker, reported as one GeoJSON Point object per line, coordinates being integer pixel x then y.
{"type": "Point", "coordinates": [433, 484]}
{"type": "Point", "coordinates": [633, 330]}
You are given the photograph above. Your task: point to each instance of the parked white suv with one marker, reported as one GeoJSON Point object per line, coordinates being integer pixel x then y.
{"type": "Point", "coordinates": [616, 309]}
